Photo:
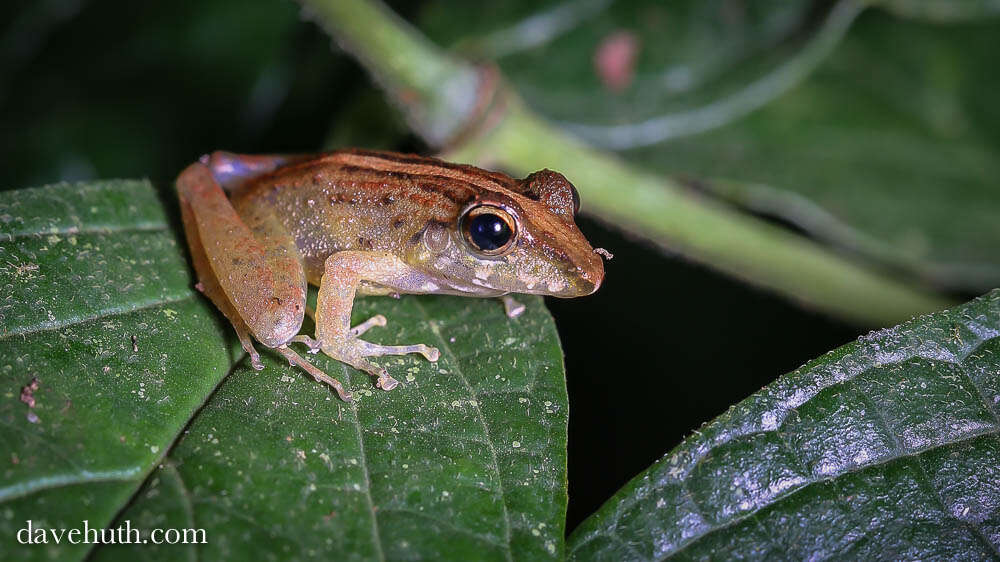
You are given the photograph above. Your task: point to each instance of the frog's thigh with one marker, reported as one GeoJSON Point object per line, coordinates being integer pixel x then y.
{"type": "Point", "coordinates": [209, 284]}
{"type": "Point", "coordinates": [262, 283]}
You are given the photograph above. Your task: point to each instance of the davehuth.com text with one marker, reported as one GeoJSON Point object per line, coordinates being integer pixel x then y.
{"type": "Point", "coordinates": [123, 534]}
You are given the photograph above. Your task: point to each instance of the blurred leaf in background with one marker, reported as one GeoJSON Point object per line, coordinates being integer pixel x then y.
{"type": "Point", "coordinates": [114, 89]}
{"type": "Point", "coordinates": [867, 130]}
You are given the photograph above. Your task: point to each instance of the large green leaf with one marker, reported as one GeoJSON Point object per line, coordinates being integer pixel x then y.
{"type": "Point", "coordinates": [886, 448]}
{"type": "Point", "coordinates": [468, 454]}
{"type": "Point", "coordinates": [871, 132]}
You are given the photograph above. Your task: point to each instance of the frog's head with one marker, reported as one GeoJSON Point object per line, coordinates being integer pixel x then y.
{"type": "Point", "coordinates": [520, 240]}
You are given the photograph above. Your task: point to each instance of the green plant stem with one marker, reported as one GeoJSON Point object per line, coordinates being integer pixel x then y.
{"type": "Point", "coordinates": [650, 206]}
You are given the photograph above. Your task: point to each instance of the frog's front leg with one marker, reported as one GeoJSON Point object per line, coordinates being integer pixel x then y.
{"type": "Point", "coordinates": [343, 272]}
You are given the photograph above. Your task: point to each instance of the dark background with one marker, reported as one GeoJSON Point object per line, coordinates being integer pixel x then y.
{"type": "Point", "coordinates": [121, 89]}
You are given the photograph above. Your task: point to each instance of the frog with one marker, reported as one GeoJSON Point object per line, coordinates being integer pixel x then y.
{"type": "Point", "coordinates": [355, 222]}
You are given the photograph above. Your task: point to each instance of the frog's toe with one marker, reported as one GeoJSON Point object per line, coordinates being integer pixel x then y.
{"type": "Point", "coordinates": [314, 345]}
{"type": "Point", "coordinates": [318, 375]}
{"type": "Point", "coordinates": [512, 308]}
{"type": "Point", "coordinates": [369, 349]}
{"type": "Point", "coordinates": [377, 320]}
{"type": "Point", "coordinates": [386, 382]}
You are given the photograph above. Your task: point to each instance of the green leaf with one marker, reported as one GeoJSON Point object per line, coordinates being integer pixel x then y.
{"type": "Point", "coordinates": [174, 430]}
{"type": "Point", "coordinates": [884, 448]}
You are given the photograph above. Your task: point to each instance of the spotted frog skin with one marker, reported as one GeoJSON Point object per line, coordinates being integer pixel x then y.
{"type": "Point", "coordinates": [358, 222]}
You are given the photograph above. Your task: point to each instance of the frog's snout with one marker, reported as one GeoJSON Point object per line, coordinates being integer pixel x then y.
{"type": "Point", "coordinates": [589, 275]}
{"type": "Point", "coordinates": [594, 279]}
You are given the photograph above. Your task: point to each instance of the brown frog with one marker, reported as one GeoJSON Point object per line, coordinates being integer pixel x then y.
{"type": "Point", "coordinates": [371, 223]}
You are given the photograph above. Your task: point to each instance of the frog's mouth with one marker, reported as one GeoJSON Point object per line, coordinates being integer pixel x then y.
{"type": "Point", "coordinates": [417, 283]}
{"type": "Point", "coordinates": [469, 290]}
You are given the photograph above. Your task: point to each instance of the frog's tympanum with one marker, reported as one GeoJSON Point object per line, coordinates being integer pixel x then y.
{"type": "Point", "coordinates": [371, 223]}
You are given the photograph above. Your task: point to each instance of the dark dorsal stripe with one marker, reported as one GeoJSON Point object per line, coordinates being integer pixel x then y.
{"type": "Point", "coordinates": [471, 174]}
{"type": "Point", "coordinates": [458, 191]}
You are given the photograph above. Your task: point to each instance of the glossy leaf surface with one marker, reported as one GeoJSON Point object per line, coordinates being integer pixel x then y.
{"type": "Point", "coordinates": [884, 448]}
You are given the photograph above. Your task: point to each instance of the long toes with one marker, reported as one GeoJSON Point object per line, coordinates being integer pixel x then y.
{"type": "Point", "coordinates": [377, 320]}
{"type": "Point", "coordinates": [369, 349]}
{"type": "Point", "coordinates": [316, 374]}
{"type": "Point", "coordinates": [314, 346]}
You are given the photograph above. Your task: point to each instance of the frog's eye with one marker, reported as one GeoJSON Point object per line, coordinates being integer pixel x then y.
{"type": "Point", "coordinates": [576, 199]}
{"type": "Point", "coordinates": [488, 229]}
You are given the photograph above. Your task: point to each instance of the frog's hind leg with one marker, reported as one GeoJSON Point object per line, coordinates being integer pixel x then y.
{"type": "Point", "coordinates": [209, 285]}
{"type": "Point", "coordinates": [343, 272]}
{"type": "Point", "coordinates": [258, 271]}
{"type": "Point", "coordinates": [247, 265]}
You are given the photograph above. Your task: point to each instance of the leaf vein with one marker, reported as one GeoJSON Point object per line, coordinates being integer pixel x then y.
{"type": "Point", "coordinates": [486, 430]}
{"type": "Point", "coordinates": [106, 313]}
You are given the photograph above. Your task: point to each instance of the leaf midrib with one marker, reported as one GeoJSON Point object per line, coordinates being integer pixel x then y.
{"type": "Point", "coordinates": [90, 228]}
{"type": "Point", "coordinates": [359, 433]}
{"type": "Point", "coordinates": [105, 313]}
{"type": "Point", "coordinates": [454, 361]}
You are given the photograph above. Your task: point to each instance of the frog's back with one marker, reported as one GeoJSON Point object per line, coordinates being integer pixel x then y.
{"type": "Point", "coordinates": [360, 200]}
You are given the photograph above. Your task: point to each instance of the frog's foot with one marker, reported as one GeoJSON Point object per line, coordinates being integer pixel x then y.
{"type": "Point", "coordinates": [512, 307]}
{"type": "Point", "coordinates": [319, 376]}
{"type": "Point", "coordinates": [314, 346]}
{"type": "Point", "coordinates": [353, 352]}
{"type": "Point", "coordinates": [247, 344]}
